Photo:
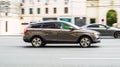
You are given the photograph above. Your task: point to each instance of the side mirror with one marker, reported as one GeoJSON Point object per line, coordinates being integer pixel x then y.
{"type": "Point", "coordinates": [71, 28]}
{"type": "Point", "coordinates": [107, 27]}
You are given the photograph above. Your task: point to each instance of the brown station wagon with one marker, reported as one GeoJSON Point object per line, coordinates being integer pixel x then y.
{"type": "Point", "coordinates": [41, 33]}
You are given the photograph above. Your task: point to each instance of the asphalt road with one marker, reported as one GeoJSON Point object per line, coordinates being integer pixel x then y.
{"type": "Point", "coordinates": [16, 53]}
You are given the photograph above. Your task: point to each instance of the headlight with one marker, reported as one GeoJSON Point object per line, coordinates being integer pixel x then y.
{"type": "Point", "coordinates": [96, 34]}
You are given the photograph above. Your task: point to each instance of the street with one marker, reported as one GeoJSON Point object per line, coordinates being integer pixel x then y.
{"type": "Point", "coordinates": [14, 52]}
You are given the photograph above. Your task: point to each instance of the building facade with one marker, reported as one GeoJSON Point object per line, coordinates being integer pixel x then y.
{"type": "Point", "coordinates": [16, 15]}
{"type": "Point", "coordinates": [98, 10]}
{"type": "Point", "coordinates": [9, 17]}
{"type": "Point", "coordinates": [42, 10]}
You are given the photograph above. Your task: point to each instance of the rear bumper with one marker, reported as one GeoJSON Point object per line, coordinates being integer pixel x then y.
{"type": "Point", "coordinates": [25, 39]}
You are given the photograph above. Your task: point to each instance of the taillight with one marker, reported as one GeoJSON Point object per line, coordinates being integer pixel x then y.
{"type": "Point", "coordinates": [25, 31]}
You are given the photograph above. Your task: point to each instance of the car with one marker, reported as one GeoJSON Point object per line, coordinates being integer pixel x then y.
{"type": "Point", "coordinates": [104, 30]}
{"type": "Point", "coordinates": [41, 33]}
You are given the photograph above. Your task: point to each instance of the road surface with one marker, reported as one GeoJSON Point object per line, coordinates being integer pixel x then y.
{"type": "Point", "coordinates": [16, 53]}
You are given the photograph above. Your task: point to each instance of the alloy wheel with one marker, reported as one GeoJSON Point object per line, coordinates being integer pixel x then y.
{"type": "Point", "coordinates": [85, 42]}
{"type": "Point", "coordinates": [117, 35]}
{"type": "Point", "coordinates": [36, 42]}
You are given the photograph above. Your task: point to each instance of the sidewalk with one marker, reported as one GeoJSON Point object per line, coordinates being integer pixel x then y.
{"type": "Point", "coordinates": [12, 35]}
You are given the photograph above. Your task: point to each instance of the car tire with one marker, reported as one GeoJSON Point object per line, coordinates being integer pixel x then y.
{"type": "Point", "coordinates": [37, 42]}
{"type": "Point", "coordinates": [117, 35]}
{"type": "Point", "coordinates": [85, 41]}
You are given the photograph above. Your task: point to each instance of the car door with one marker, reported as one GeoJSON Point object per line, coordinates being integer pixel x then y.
{"type": "Point", "coordinates": [100, 28]}
{"type": "Point", "coordinates": [50, 32]}
{"type": "Point", "coordinates": [65, 34]}
{"type": "Point", "coordinates": [105, 31]}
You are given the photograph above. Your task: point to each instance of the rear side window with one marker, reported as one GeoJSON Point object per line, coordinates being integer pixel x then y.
{"type": "Point", "coordinates": [49, 25]}
{"type": "Point", "coordinates": [93, 26]}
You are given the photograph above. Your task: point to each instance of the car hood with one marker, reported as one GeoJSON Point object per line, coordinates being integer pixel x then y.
{"type": "Point", "coordinates": [90, 31]}
{"type": "Point", "coordinates": [112, 28]}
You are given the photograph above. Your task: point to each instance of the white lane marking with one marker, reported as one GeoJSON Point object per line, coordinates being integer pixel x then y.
{"type": "Point", "coordinates": [90, 58]}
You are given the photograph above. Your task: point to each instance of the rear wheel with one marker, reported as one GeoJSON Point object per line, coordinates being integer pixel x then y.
{"type": "Point", "coordinates": [37, 42]}
{"type": "Point", "coordinates": [117, 35]}
{"type": "Point", "coordinates": [85, 42]}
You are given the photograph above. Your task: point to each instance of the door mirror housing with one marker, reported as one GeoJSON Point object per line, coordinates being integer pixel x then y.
{"type": "Point", "coordinates": [107, 27]}
{"type": "Point", "coordinates": [72, 28]}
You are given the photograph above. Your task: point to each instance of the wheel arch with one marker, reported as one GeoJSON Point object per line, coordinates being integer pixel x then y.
{"type": "Point", "coordinates": [84, 36]}
{"type": "Point", "coordinates": [36, 36]}
{"type": "Point", "coordinates": [115, 33]}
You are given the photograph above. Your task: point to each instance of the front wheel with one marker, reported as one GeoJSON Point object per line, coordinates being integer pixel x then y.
{"type": "Point", "coordinates": [117, 35]}
{"type": "Point", "coordinates": [37, 42]}
{"type": "Point", "coordinates": [85, 42]}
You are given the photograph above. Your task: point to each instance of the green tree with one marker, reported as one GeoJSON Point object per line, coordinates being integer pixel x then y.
{"type": "Point", "coordinates": [111, 17]}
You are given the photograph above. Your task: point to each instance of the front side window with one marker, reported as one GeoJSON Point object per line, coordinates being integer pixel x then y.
{"type": "Point", "coordinates": [102, 26]}
{"type": "Point", "coordinates": [65, 26]}
{"type": "Point", "coordinates": [68, 25]}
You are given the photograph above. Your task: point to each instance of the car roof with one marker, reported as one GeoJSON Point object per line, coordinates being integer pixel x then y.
{"type": "Point", "coordinates": [47, 22]}
{"type": "Point", "coordinates": [94, 24]}
{"type": "Point", "coordinates": [91, 24]}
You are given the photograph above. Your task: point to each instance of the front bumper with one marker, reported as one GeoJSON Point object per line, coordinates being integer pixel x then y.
{"type": "Point", "coordinates": [97, 40]}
